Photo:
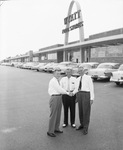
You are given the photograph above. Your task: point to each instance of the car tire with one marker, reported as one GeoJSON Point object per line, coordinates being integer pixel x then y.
{"type": "Point", "coordinates": [117, 83]}
{"type": "Point", "coordinates": [94, 79]}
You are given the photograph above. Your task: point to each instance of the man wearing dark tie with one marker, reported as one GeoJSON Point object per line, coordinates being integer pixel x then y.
{"type": "Point", "coordinates": [85, 96]}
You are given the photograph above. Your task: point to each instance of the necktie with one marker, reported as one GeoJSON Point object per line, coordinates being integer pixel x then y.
{"type": "Point", "coordinates": [80, 84]}
{"type": "Point", "coordinates": [68, 88]}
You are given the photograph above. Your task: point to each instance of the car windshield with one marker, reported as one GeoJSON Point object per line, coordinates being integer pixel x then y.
{"type": "Point", "coordinates": [105, 66]}
{"type": "Point", "coordinates": [121, 68]}
{"type": "Point", "coordinates": [64, 64]}
{"type": "Point", "coordinates": [73, 65]}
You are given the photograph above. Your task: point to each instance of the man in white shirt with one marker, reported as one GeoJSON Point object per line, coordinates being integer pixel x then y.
{"type": "Point", "coordinates": [85, 96]}
{"type": "Point", "coordinates": [55, 91]}
{"type": "Point", "coordinates": [68, 83]}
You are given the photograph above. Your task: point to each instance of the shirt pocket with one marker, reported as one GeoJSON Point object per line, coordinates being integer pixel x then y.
{"type": "Point", "coordinates": [72, 85]}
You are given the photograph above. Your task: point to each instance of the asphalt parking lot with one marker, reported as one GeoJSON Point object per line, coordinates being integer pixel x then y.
{"type": "Point", "coordinates": [24, 114]}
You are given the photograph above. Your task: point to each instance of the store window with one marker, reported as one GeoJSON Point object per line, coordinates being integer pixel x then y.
{"type": "Point", "coordinates": [52, 56]}
{"type": "Point", "coordinates": [43, 57]}
{"type": "Point", "coordinates": [36, 59]}
{"type": "Point", "coordinates": [109, 51]}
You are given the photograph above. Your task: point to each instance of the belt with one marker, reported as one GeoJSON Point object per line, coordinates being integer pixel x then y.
{"type": "Point", "coordinates": [84, 91]}
{"type": "Point", "coordinates": [56, 95]}
{"type": "Point", "coordinates": [69, 91]}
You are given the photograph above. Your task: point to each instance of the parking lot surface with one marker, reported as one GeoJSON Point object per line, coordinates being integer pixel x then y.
{"type": "Point", "coordinates": [24, 115]}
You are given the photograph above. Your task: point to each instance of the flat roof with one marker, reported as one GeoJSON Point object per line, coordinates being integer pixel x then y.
{"type": "Point", "coordinates": [112, 40]}
{"type": "Point", "coordinates": [105, 41]}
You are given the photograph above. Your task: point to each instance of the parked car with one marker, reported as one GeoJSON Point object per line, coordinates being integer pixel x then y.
{"type": "Point", "coordinates": [117, 76]}
{"type": "Point", "coordinates": [52, 67]}
{"type": "Point", "coordinates": [44, 67]}
{"type": "Point", "coordinates": [65, 65]}
{"type": "Point", "coordinates": [29, 65]}
{"type": "Point", "coordinates": [18, 65]}
{"type": "Point", "coordinates": [13, 64]}
{"type": "Point", "coordinates": [6, 64]}
{"type": "Point", "coordinates": [102, 70]}
{"type": "Point", "coordinates": [25, 65]}
{"type": "Point", "coordinates": [47, 66]}
{"type": "Point", "coordinates": [87, 65]}
{"type": "Point", "coordinates": [36, 67]}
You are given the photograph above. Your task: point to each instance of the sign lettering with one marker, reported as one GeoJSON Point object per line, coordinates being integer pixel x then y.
{"type": "Point", "coordinates": [72, 17]}
{"type": "Point", "coordinates": [78, 25]}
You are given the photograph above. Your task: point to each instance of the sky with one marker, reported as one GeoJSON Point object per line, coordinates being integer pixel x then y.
{"type": "Point", "coordinates": [33, 24]}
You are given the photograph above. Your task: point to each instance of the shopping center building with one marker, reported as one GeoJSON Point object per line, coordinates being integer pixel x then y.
{"type": "Point", "coordinates": [102, 47]}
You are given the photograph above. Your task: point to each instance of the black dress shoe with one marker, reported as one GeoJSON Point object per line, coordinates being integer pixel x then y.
{"type": "Point", "coordinates": [85, 131]}
{"type": "Point", "coordinates": [58, 131]}
{"type": "Point", "coordinates": [51, 134]}
{"type": "Point", "coordinates": [80, 127]}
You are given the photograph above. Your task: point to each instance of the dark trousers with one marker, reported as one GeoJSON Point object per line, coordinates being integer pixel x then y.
{"type": "Point", "coordinates": [84, 106]}
{"type": "Point", "coordinates": [69, 102]}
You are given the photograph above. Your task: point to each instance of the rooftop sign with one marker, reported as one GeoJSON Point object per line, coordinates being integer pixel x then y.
{"type": "Point", "coordinates": [71, 17]}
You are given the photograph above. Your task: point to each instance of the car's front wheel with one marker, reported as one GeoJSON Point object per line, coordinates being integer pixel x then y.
{"type": "Point", "coordinates": [94, 79]}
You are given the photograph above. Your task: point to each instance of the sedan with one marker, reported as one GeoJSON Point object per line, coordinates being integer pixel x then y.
{"type": "Point", "coordinates": [65, 65]}
{"type": "Point", "coordinates": [44, 67]}
{"type": "Point", "coordinates": [101, 72]}
{"type": "Point", "coordinates": [36, 67]}
{"type": "Point", "coordinates": [117, 76]}
{"type": "Point", "coordinates": [52, 67]}
{"type": "Point", "coordinates": [48, 66]}
{"type": "Point", "coordinates": [87, 65]}
{"type": "Point", "coordinates": [29, 65]}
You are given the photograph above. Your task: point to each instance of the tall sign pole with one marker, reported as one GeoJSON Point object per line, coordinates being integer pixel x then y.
{"type": "Point", "coordinates": [72, 17]}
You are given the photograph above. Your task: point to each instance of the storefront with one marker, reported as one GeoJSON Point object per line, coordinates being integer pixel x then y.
{"type": "Point", "coordinates": [102, 47]}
